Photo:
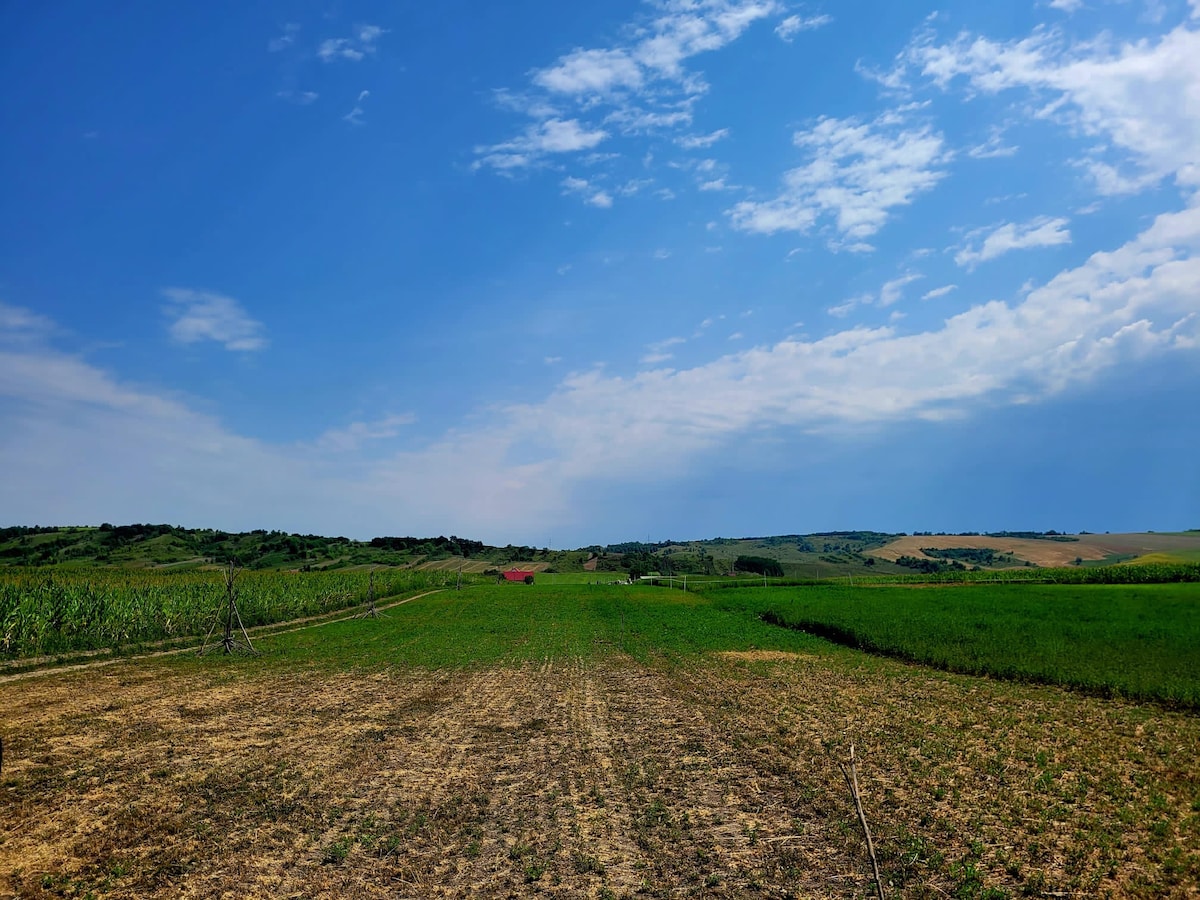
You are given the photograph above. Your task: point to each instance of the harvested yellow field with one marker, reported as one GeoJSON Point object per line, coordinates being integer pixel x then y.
{"type": "Point", "coordinates": [1048, 552]}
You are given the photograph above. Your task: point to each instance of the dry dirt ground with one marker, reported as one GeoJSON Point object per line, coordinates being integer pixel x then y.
{"type": "Point", "coordinates": [711, 777]}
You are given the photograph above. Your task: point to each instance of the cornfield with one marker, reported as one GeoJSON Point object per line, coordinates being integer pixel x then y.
{"type": "Point", "coordinates": [49, 611]}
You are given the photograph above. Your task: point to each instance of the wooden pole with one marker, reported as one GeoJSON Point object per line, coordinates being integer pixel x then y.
{"type": "Point", "coordinates": [370, 611]}
{"type": "Point", "coordinates": [851, 776]}
{"type": "Point", "coordinates": [229, 642]}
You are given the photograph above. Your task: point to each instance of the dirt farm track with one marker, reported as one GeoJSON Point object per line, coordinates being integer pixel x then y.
{"type": "Point", "coordinates": [599, 777]}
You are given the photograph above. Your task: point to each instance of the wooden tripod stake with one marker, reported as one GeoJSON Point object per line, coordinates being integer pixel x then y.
{"type": "Point", "coordinates": [230, 620]}
{"type": "Point", "coordinates": [370, 612]}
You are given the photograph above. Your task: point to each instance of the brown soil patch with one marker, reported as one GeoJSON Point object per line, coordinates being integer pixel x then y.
{"type": "Point", "coordinates": [567, 778]}
{"type": "Point", "coordinates": [759, 655]}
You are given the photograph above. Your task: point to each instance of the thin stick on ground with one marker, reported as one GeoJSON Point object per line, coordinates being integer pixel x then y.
{"type": "Point", "coordinates": [850, 773]}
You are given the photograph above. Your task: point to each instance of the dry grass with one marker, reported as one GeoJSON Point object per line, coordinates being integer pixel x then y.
{"type": "Point", "coordinates": [1040, 553]}
{"type": "Point", "coordinates": [713, 776]}
{"type": "Point", "coordinates": [1045, 552]}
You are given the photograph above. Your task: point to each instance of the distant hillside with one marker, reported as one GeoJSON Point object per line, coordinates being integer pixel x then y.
{"type": "Point", "coordinates": [1022, 548]}
{"type": "Point", "coordinates": [163, 546]}
{"type": "Point", "coordinates": [820, 555]}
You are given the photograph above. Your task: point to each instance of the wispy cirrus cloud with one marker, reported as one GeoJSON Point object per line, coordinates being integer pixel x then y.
{"type": "Point", "coordinates": [856, 175]}
{"type": "Point", "coordinates": [361, 44]}
{"type": "Point", "coordinates": [660, 351]}
{"type": "Point", "coordinates": [19, 325]}
{"type": "Point", "coordinates": [793, 25]}
{"type": "Point", "coordinates": [1040, 232]}
{"type": "Point", "coordinates": [702, 141]}
{"type": "Point", "coordinates": [300, 98]}
{"type": "Point", "coordinates": [286, 38]}
{"type": "Point", "coordinates": [994, 147]}
{"type": "Point", "coordinates": [122, 452]}
{"type": "Point", "coordinates": [892, 291]}
{"type": "Point", "coordinates": [357, 434]}
{"type": "Point", "coordinates": [592, 195]}
{"type": "Point", "coordinates": [939, 292]}
{"type": "Point", "coordinates": [203, 316]}
{"type": "Point", "coordinates": [355, 116]}
{"type": "Point", "coordinates": [639, 84]}
{"type": "Point", "coordinates": [540, 139]}
{"type": "Point", "coordinates": [1140, 99]}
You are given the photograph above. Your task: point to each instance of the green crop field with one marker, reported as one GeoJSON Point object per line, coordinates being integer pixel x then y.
{"type": "Point", "coordinates": [1139, 641]}
{"type": "Point", "coordinates": [594, 740]}
{"type": "Point", "coordinates": [55, 611]}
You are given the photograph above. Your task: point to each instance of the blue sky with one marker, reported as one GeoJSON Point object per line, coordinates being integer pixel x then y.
{"type": "Point", "coordinates": [570, 273]}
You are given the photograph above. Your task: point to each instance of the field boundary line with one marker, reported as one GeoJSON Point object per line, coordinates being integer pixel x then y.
{"type": "Point", "coordinates": [266, 631]}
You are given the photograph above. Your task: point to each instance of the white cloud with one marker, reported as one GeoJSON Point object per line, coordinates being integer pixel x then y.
{"type": "Point", "coordinates": [893, 290]}
{"type": "Point", "coordinates": [285, 39]}
{"type": "Point", "coordinates": [939, 292]}
{"type": "Point", "coordinates": [355, 116]}
{"type": "Point", "coordinates": [1133, 302]}
{"type": "Point", "coordinates": [659, 351]}
{"type": "Point", "coordinates": [591, 194]}
{"type": "Point", "coordinates": [18, 325]}
{"type": "Point", "coordinates": [300, 98]}
{"type": "Point", "coordinates": [701, 141]}
{"type": "Point", "coordinates": [115, 452]}
{"type": "Point", "coordinates": [638, 84]}
{"type": "Point", "coordinates": [993, 148]}
{"type": "Point", "coordinates": [889, 294]}
{"type": "Point", "coordinates": [354, 48]}
{"type": "Point", "coordinates": [1067, 6]}
{"type": "Point", "coordinates": [203, 316]}
{"type": "Point", "coordinates": [591, 72]}
{"type": "Point", "coordinates": [357, 434]}
{"type": "Point", "coordinates": [1041, 232]}
{"type": "Point", "coordinates": [539, 140]}
{"type": "Point", "coordinates": [687, 28]}
{"type": "Point", "coordinates": [793, 25]}
{"type": "Point", "coordinates": [633, 186]}
{"type": "Point", "coordinates": [1142, 99]}
{"type": "Point", "coordinates": [858, 173]}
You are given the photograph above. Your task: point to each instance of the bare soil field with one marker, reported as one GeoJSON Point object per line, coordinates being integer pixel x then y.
{"type": "Point", "coordinates": [712, 776]}
{"type": "Point", "coordinates": [1046, 552]}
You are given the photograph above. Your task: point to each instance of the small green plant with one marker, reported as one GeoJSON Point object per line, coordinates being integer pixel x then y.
{"type": "Point", "coordinates": [336, 852]}
{"type": "Point", "coordinates": [534, 870]}
{"type": "Point", "coordinates": [587, 865]}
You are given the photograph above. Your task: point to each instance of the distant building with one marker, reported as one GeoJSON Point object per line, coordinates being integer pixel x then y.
{"type": "Point", "coordinates": [518, 575]}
